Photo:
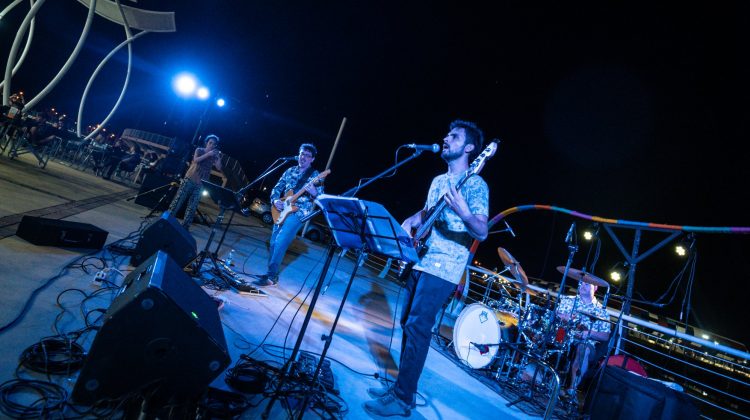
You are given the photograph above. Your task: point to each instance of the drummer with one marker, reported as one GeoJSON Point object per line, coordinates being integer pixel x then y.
{"type": "Point", "coordinates": [590, 333]}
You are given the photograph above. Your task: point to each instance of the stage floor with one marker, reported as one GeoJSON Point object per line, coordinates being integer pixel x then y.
{"type": "Point", "coordinates": [367, 340]}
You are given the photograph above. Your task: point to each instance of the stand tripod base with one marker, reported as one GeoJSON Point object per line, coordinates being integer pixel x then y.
{"type": "Point", "coordinates": [229, 277]}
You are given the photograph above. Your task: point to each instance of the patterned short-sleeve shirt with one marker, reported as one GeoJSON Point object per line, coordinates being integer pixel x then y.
{"type": "Point", "coordinates": [593, 308]}
{"type": "Point", "coordinates": [449, 241]}
{"type": "Point", "coordinates": [288, 181]}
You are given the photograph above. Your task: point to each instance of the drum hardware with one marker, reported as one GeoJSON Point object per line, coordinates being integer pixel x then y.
{"type": "Point", "coordinates": [583, 276]}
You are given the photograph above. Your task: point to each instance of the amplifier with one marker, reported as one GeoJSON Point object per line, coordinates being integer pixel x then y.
{"type": "Point", "coordinates": [61, 233]}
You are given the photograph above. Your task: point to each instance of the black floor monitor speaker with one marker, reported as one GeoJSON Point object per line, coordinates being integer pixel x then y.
{"type": "Point", "coordinates": [624, 395]}
{"type": "Point", "coordinates": [161, 335]}
{"type": "Point", "coordinates": [61, 233]}
{"type": "Point", "coordinates": [168, 235]}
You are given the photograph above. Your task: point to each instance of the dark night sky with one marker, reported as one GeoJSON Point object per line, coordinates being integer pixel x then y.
{"type": "Point", "coordinates": [625, 110]}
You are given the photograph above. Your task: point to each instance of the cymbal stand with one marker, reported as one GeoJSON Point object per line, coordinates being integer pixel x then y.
{"type": "Point", "coordinates": [572, 242]}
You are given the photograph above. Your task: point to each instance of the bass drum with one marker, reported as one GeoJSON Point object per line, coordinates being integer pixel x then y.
{"type": "Point", "coordinates": [479, 332]}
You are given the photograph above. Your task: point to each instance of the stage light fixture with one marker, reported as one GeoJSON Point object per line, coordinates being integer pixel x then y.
{"type": "Point", "coordinates": [680, 250]}
{"type": "Point", "coordinates": [185, 84]}
{"type": "Point", "coordinates": [617, 272]}
{"type": "Point", "coordinates": [587, 235]}
{"type": "Point", "coordinates": [202, 93]}
{"type": "Point", "coordinates": [220, 102]}
{"type": "Point", "coordinates": [205, 193]}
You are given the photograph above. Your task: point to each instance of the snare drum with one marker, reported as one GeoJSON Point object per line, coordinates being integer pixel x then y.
{"type": "Point", "coordinates": [478, 333]}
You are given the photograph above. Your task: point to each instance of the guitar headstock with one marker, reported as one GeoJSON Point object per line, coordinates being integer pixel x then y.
{"type": "Point", "coordinates": [321, 176]}
{"type": "Point", "coordinates": [487, 153]}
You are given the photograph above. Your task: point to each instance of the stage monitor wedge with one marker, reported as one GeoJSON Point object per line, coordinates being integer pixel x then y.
{"type": "Point", "coordinates": [161, 334]}
{"type": "Point", "coordinates": [168, 235]}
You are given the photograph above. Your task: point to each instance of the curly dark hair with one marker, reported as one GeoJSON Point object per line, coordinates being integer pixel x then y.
{"type": "Point", "coordinates": [474, 136]}
{"type": "Point", "coordinates": [310, 148]}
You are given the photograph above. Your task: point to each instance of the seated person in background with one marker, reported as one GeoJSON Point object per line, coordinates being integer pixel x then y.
{"type": "Point", "coordinates": [113, 158]}
{"type": "Point", "coordinates": [42, 132]}
{"type": "Point", "coordinates": [129, 162]}
{"type": "Point", "coordinates": [150, 163]}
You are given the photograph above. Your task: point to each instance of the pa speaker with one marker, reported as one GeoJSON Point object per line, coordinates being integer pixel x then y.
{"type": "Point", "coordinates": [623, 395]}
{"type": "Point", "coordinates": [161, 334]}
{"type": "Point", "coordinates": [61, 233]}
{"type": "Point", "coordinates": [168, 235]}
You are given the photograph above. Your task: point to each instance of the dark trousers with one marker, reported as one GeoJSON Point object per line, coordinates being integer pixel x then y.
{"type": "Point", "coordinates": [425, 295]}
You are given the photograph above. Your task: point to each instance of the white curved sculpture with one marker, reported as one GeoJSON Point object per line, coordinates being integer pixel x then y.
{"type": "Point", "coordinates": [128, 17]}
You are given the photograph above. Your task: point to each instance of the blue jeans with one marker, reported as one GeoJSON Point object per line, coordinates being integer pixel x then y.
{"type": "Point", "coordinates": [425, 295]}
{"type": "Point", "coordinates": [281, 237]}
{"type": "Point", "coordinates": [190, 191]}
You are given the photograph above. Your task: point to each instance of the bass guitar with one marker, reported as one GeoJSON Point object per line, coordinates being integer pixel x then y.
{"type": "Point", "coordinates": [290, 200]}
{"type": "Point", "coordinates": [419, 236]}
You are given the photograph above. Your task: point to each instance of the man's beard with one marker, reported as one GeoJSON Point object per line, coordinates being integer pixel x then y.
{"type": "Point", "coordinates": [449, 156]}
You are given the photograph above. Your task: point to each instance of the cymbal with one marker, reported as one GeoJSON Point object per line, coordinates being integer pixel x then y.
{"type": "Point", "coordinates": [583, 276]}
{"type": "Point", "coordinates": [513, 266]}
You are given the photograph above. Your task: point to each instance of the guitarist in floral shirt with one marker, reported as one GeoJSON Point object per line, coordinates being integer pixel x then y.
{"type": "Point", "coordinates": [295, 179]}
{"type": "Point", "coordinates": [438, 272]}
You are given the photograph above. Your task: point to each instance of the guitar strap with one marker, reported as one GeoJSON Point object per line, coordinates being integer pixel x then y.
{"type": "Point", "coordinates": [303, 179]}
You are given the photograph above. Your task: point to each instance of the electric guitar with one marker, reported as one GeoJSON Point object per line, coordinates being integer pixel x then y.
{"type": "Point", "coordinates": [290, 199]}
{"type": "Point", "coordinates": [419, 237]}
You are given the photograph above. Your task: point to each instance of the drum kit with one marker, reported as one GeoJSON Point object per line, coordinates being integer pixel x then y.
{"type": "Point", "coordinates": [520, 331]}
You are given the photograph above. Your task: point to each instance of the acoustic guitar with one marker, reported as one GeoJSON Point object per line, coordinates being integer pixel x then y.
{"type": "Point", "coordinates": [290, 200]}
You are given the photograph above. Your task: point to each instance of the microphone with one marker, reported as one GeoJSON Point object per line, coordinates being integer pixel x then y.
{"type": "Point", "coordinates": [510, 229]}
{"type": "Point", "coordinates": [569, 236]}
{"type": "Point", "coordinates": [434, 148]}
{"type": "Point", "coordinates": [483, 348]}
{"type": "Point", "coordinates": [289, 158]}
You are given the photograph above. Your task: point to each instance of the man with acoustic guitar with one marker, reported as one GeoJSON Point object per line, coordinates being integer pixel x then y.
{"type": "Point", "coordinates": [457, 216]}
{"type": "Point", "coordinates": [298, 182]}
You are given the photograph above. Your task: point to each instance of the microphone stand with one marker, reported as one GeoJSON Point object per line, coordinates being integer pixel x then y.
{"type": "Point", "coordinates": [271, 168]}
{"type": "Point", "coordinates": [241, 192]}
{"type": "Point", "coordinates": [352, 191]}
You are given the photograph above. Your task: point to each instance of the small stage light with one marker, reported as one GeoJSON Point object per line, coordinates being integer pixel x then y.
{"type": "Point", "coordinates": [615, 276]}
{"type": "Point", "coordinates": [205, 193]}
{"type": "Point", "coordinates": [220, 102]}
{"type": "Point", "coordinates": [202, 93]}
{"type": "Point", "coordinates": [587, 235]}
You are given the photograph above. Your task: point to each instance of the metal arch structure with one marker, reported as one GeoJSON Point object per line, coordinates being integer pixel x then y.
{"type": "Point", "coordinates": [16, 43]}
{"type": "Point", "coordinates": [28, 38]}
{"type": "Point", "coordinates": [632, 257]}
{"type": "Point", "coordinates": [127, 16]}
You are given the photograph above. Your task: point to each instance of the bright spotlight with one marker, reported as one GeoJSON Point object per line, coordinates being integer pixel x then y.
{"type": "Point", "coordinates": [185, 84]}
{"type": "Point", "coordinates": [615, 276]}
{"type": "Point", "coordinates": [587, 235]}
{"type": "Point", "coordinates": [680, 250]}
{"type": "Point", "coordinates": [205, 193]}
{"type": "Point", "coordinates": [220, 102]}
{"type": "Point", "coordinates": [202, 93]}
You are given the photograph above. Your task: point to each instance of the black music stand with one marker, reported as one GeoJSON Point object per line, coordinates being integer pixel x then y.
{"type": "Point", "coordinates": [360, 225]}
{"type": "Point", "coordinates": [226, 199]}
